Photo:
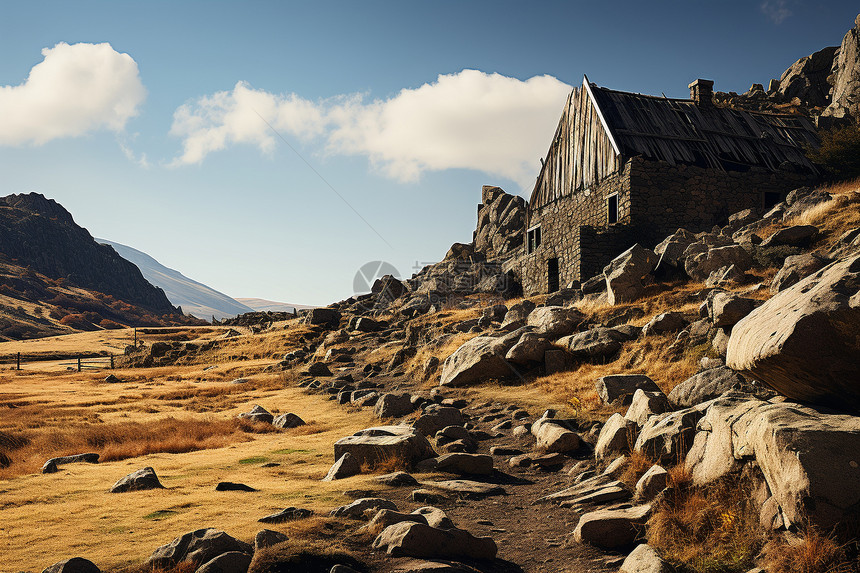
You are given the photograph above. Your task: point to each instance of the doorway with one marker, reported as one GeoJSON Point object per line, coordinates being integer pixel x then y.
{"type": "Point", "coordinates": [552, 274]}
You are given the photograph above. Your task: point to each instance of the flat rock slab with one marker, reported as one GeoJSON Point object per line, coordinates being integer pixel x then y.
{"type": "Point", "coordinates": [611, 528]}
{"type": "Point", "coordinates": [466, 488]}
{"type": "Point", "coordinates": [51, 466]}
{"type": "Point", "coordinates": [411, 539]}
{"type": "Point", "coordinates": [385, 443]}
{"type": "Point", "coordinates": [288, 514]}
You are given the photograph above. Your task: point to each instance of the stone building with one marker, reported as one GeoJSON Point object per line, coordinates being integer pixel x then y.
{"type": "Point", "coordinates": [625, 168]}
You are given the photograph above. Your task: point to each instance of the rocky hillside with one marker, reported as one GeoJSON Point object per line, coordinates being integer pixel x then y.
{"type": "Point", "coordinates": [824, 85]}
{"type": "Point", "coordinates": [692, 408]}
{"type": "Point", "coordinates": [55, 278]}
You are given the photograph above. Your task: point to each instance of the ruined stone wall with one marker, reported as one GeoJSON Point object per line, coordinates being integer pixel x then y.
{"type": "Point", "coordinates": [665, 198]}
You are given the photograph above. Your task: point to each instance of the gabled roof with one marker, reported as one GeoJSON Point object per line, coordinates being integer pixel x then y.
{"type": "Point", "coordinates": [680, 131]}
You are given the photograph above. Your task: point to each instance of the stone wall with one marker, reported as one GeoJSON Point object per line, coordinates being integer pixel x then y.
{"type": "Point", "coordinates": [654, 200]}
{"type": "Point", "coordinates": [665, 198]}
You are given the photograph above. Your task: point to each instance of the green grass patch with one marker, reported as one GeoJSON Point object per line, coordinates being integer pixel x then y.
{"type": "Point", "coordinates": [160, 514]}
{"type": "Point", "coordinates": [287, 451]}
{"type": "Point", "coordinates": [254, 460]}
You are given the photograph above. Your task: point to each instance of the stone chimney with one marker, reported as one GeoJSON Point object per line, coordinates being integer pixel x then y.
{"type": "Point", "coordinates": [702, 92]}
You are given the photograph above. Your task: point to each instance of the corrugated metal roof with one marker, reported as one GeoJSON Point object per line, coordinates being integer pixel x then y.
{"type": "Point", "coordinates": [679, 131]}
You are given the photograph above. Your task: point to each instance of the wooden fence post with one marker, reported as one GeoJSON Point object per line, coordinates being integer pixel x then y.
{"type": "Point", "coordinates": [111, 361]}
{"type": "Point", "coordinates": [79, 362]}
{"type": "Point", "coordinates": [18, 362]}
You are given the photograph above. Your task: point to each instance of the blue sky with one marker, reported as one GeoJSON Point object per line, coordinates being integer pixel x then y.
{"type": "Point", "coordinates": [150, 122]}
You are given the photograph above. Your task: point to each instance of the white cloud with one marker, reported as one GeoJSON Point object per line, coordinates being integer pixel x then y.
{"type": "Point", "coordinates": [776, 10]}
{"type": "Point", "coordinates": [74, 90]}
{"type": "Point", "coordinates": [472, 120]}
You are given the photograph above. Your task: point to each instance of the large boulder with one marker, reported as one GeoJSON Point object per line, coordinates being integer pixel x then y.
{"type": "Point", "coordinates": [376, 445]}
{"type": "Point", "coordinates": [707, 385]}
{"type": "Point", "coordinates": [625, 273]}
{"type": "Point", "coordinates": [555, 321]}
{"type": "Point", "coordinates": [646, 404]}
{"type": "Point", "coordinates": [140, 480]}
{"type": "Point", "coordinates": [666, 438]}
{"type": "Point", "coordinates": [554, 438]}
{"type": "Point", "coordinates": [411, 539]}
{"type": "Point", "coordinates": [517, 315]}
{"type": "Point", "coordinates": [501, 220]}
{"type": "Point", "coordinates": [344, 467]}
{"type": "Point", "coordinates": [621, 387]}
{"type": "Point", "coordinates": [617, 436]}
{"type": "Point", "coordinates": [478, 359]}
{"type": "Point", "coordinates": [725, 309]}
{"type": "Point", "coordinates": [795, 268]}
{"type": "Point", "coordinates": [808, 456]}
{"type": "Point", "coordinates": [391, 405]}
{"type": "Point", "coordinates": [599, 343]}
{"type": "Point", "coordinates": [700, 266]}
{"type": "Point", "coordinates": [328, 317]}
{"type": "Point", "coordinates": [805, 341]}
{"type": "Point", "coordinates": [794, 236]}
{"type": "Point", "coordinates": [531, 347]}
{"type": "Point", "coordinates": [644, 559]}
{"type": "Point", "coordinates": [230, 562]}
{"type": "Point", "coordinates": [258, 414]}
{"type": "Point", "coordinates": [437, 417]}
{"type": "Point", "coordinates": [199, 547]}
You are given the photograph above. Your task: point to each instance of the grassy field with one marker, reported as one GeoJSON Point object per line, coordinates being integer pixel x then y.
{"type": "Point", "coordinates": [136, 423]}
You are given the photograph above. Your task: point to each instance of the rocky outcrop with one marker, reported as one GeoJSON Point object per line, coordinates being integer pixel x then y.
{"type": "Point", "coordinates": [501, 220]}
{"type": "Point", "coordinates": [808, 457]}
{"type": "Point", "coordinates": [478, 359]}
{"type": "Point", "coordinates": [806, 79]}
{"type": "Point", "coordinates": [625, 273]}
{"type": "Point", "coordinates": [805, 341]}
{"type": "Point", "coordinates": [197, 547]}
{"type": "Point", "coordinates": [845, 78]}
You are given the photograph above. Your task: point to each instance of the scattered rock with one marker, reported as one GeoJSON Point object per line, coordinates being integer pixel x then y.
{"type": "Point", "coordinates": [700, 266]}
{"type": "Point", "coordinates": [112, 379]}
{"type": "Point", "coordinates": [258, 414]}
{"type": "Point", "coordinates": [621, 387]}
{"type": "Point", "coordinates": [374, 445]}
{"type": "Point", "coordinates": [73, 565]}
{"type": "Point", "coordinates": [397, 479]}
{"type": "Point", "coordinates": [612, 528]}
{"type": "Point", "coordinates": [644, 559]}
{"type": "Point", "coordinates": [625, 273]}
{"type": "Point", "coordinates": [480, 358]}
{"type": "Point", "coordinates": [393, 405]}
{"type": "Point", "coordinates": [531, 347]}
{"type": "Point", "coordinates": [466, 488]}
{"type": "Point", "coordinates": [52, 465]}
{"type": "Point", "coordinates": [141, 479]}
{"type": "Point", "coordinates": [287, 514]}
{"type": "Point", "coordinates": [617, 436]}
{"type": "Point", "coordinates": [794, 236]}
{"type": "Point", "coordinates": [344, 467]}
{"type": "Point", "coordinates": [646, 404]}
{"type": "Point", "coordinates": [651, 483]}
{"type": "Point", "coordinates": [707, 385]}
{"type": "Point", "coordinates": [232, 486]}
{"type": "Point", "coordinates": [267, 538]}
{"type": "Point", "coordinates": [554, 321]}
{"type": "Point", "coordinates": [287, 421]}
{"type": "Point", "coordinates": [437, 417]}
{"type": "Point", "coordinates": [726, 309]}
{"type": "Point", "coordinates": [230, 562]}
{"type": "Point", "coordinates": [418, 540]}
{"type": "Point", "coordinates": [319, 369]}
{"type": "Point", "coordinates": [666, 438]}
{"type": "Point", "coordinates": [598, 343]}
{"type": "Point", "coordinates": [357, 509]}
{"type": "Point", "coordinates": [199, 547]}
{"type": "Point", "coordinates": [796, 268]}
{"type": "Point", "coordinates": [665, 322]}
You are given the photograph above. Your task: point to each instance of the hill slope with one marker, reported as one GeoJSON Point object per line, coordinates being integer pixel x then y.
{"type": "Point", "coordinates": [263, 305]}
{"type": "Point", "coordinates": [194, 297]}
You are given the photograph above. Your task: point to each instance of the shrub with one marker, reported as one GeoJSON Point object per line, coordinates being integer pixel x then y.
{"type": "Point", "coordinates": [110, 325]}
{"type": "Point", "coordinates": [839, 153]}
{"type": "Point", "coordinates": [77, 321]}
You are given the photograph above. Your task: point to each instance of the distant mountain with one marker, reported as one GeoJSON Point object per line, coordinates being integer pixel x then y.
{"type": "Point", "coordinates": [263, 305]}
{"type": "Point", "coordinates": [56, 279]}
{"type": "Point", "coordinates": [194, 297]}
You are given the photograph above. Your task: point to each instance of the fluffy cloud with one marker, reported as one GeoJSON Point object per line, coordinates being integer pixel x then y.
{"type": "Point", "coordinates": [75, 89]}
{"type": "Point", "coordinates": [489, 122]}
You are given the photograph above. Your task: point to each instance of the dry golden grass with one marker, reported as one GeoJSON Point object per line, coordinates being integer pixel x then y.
{"type": "Point", "coordinates": [635, 467]}
{"type": "Point", "coordinates": [813, 553]}
{"type": "Point", "coordinates": [711, 529]}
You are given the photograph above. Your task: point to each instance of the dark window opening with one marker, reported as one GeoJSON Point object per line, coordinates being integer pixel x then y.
{"type": "Point", "coordinates": [612, 208]}
{"type": "Point", "coordinates": [533, 239]}
{"type": "Point", "coordinates": [771, 198]}
{"type": "Point", "coordinates": [552, 275]}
